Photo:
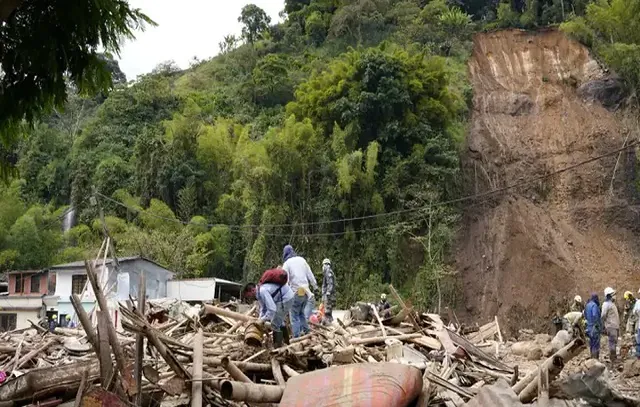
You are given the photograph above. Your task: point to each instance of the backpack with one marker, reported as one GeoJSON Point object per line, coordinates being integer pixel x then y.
{"type": "Point", "coordinates": [274, 276]}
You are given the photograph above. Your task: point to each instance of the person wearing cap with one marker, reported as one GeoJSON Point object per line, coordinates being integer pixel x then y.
{"type": "Point", "coordinates": [328, 291]}
{"type": "Point", "coordinates": [594, 325]}
{"type": "Point", "coordinates": [628, 316]}
{"type": "Point", "coordinates": [383, 306]}
{"type": "Point", "coordinates": [611, 321]}
{"type": "Point", "coordinates": [577, 305]}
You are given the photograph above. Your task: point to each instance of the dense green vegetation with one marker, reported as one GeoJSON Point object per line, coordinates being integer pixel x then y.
{"type": "Point", "coordinates": [333, 130]}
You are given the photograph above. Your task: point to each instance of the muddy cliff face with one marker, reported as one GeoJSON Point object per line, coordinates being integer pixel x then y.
{"type": "Point", "coordinates": [522, 252]}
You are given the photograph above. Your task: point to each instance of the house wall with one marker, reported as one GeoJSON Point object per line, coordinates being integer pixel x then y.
{"type": "Point", "coordinates": [25, 308]}
{"type": "Point", "coordinates": [192, 290]}
{"type": "Point", "coordinates": [26, 284]}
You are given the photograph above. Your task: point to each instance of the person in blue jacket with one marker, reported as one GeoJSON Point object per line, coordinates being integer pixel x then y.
{"type": "Point", "coordinates": [594, 325]}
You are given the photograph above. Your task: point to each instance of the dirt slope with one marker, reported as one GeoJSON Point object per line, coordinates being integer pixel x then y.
{"type": "Point", "coordinates": [524, 251]}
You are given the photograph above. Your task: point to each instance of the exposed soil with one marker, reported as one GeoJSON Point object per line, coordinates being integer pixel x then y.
{"type": "Point", "coordinates": [523, 253]}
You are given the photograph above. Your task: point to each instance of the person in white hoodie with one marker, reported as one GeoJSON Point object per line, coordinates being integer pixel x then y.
{"type": "Point", "coordinates": [300, 278]}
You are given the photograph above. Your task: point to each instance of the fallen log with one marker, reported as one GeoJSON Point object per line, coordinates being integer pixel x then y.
{"type": "Point", "coordinates": [251, 393]}
{"type": "Point", "coordinates": [531, 391]}
{"type": "Point", "coordinates": [48, 381]}
{"type": "Point", "coordinates": [566, 353]}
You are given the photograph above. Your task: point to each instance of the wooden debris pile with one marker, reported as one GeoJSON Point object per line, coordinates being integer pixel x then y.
{"type": "Point", "coordinates": [219, 355]}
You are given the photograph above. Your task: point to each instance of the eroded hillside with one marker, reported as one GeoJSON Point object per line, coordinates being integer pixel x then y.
{"type": "Point", "coordinates": [524, 251]}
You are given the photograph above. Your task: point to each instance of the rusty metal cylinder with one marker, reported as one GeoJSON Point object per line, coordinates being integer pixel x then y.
{"type": "Point", "coordinates": [253, 335]}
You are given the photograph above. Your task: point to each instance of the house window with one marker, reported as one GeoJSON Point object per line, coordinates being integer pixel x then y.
{"type": "Point", "coordinates": [19, 283]}
{"type": "Point", "coordinates": [35, 284]}
{"type": "Point", "coordinates": [7, 322]}
{"type": "Point", "coordinates": [77, 283]}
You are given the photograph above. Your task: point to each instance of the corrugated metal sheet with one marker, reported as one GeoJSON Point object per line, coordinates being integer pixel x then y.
{"type": "Point", "coordinates": [358, 385]}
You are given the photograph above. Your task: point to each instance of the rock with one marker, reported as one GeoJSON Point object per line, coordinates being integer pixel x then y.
{"type": "Point", "coordinates": [522, 348]}
{"type": "Point", "coordinates": [560, 340]}
{"type": "Point", "coordinates": [610, 91]}
{"type": "Point", "coordinates": [548, 351]}
{"type": "Point", "coordinates": [542, 339]}
{"type": "Point", "coordinates": [631, 368]}
{"type": "Point", "coordinates": [535, 353]}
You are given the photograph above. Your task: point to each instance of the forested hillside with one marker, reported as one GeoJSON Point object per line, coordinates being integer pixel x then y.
{"type": "Point", "coordinates": [337, 130]}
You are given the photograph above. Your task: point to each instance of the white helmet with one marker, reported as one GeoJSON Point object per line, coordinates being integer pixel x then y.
{"type": "Point", "coordinates": [609, 291]}
{"type": "Point", "coordinates": [383, 296]}
{"type": "Point", "coordinates": [577, 298]}
{"type": "Point", "coordinates": [326, 261]}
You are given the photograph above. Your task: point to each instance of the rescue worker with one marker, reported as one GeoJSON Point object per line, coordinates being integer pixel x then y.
{"type": "Point", "coordinates": [328, 291]}
{"type": "Point", "coordinates": [611, 321]}
{"type": "Point", "coordinates": [383, 306]}
{"type": "Point", "coordinates": [577, 305]}
{"type": "Point", "coordinates": [275, 302]}
{"type": "Point", "coordinates": [628, 316]}
{"type": "Point", "coordinates": [594, 325]}
{"type": "Point", "coordinates": [572, 323]}
{"type": "Point", "coordinates": [300, 278]}
{"type": "Point", "coordinates": [70, 323]}
{"type": "Point", "coordinates": [53, 323]}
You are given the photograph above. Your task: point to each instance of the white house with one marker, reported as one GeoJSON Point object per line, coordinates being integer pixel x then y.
{"type": "Point", "coordinates": [203, 289]}
{"type": "Point", "coordinates": [71, 278]}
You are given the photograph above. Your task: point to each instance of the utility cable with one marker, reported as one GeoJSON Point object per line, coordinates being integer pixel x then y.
{"type": "Point", "coordinates": [379, 215]}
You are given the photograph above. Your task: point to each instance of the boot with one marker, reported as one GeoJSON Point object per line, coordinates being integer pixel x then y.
{"type": "Point", "coordinates": [278, 339]}
{"type": "Point", "coordinates": [286, 335]}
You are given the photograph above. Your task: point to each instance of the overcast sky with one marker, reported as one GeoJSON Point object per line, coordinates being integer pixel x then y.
{"type": "Point", "coordinates": [186, 28]}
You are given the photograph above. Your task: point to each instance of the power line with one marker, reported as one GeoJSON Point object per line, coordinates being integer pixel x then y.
{"type": "Point", "coordinates": [374, 216]}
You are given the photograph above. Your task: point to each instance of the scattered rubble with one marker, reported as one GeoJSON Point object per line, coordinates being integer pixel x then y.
{"type": "Point", "coordinates": [172, 354]}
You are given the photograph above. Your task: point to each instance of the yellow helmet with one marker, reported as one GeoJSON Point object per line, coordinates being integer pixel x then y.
{"type": "Point", "coordinates": [628, 295]}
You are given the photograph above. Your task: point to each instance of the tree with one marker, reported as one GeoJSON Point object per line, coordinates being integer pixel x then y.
{"type": "Point", "coordinates": [228, 43]}
{"type": "Point", "coordinates": [45, 44]}
{"type": "Point", "coordinates": [255, 21]}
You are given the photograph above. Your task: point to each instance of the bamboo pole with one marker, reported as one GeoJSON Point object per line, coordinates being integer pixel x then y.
{"type": "Point", "coordinates": [245, 366]}
{"type": "Point", "coordinates": [33, 353]}
{"type": "Point", "coordinates": [233, 370]}
{"type": "Point", "coordinates": [289, 371]}
{"type": "Point", "coordinates": [113, 335]}
{"type": "Point", "coordinates": [86, 323]}
{"type": "Point", "coordinates": [196, 386]}
{"type": "Point", "coordinates": [380, 339]}
{"type": "Point", "coordinates": [277, 372]}
{"type": "Point", "coordinates": [566, 353]}
{"type": "Point", "coordinates": [531, 391]}
{"type": "Point", "coordinates": [142, 302]}
{"type": "Point", "coordinates": [250, 392]}
{"type": "Point", "coordinates": [210, 309]}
